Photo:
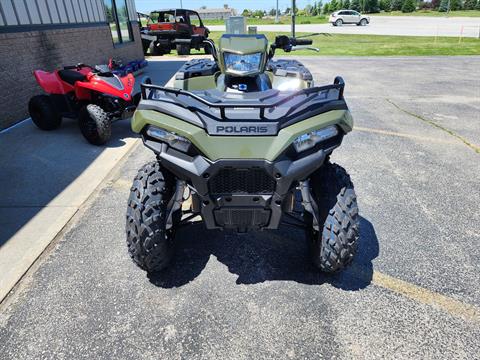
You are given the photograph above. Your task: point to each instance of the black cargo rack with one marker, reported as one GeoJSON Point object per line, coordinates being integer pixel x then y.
{"type": "Point", "coordinates": [146, 85]}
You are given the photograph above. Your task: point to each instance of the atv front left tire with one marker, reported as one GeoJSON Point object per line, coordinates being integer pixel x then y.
{"type": "Point", "coordinates": [43, 112]}
{"type": "Point", "coordinates": [334, 246]}
{"type": "Point", "coordinates": [150, 244]}
{"type": "Point", "coordinates": [95, 124]}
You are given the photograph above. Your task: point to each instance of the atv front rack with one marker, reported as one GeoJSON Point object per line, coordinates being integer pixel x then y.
{"type": "Point", "coordinates": [267, 102]}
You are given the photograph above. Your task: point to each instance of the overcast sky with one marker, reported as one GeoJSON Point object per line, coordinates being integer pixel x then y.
{"type": "Point", "coordinates": [148, 5]}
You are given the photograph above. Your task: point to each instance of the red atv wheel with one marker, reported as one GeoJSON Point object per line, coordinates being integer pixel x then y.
{"type": "Point", "coordinates": [43, 113]}
{"type": "Point", "coordinates": [95, 124]}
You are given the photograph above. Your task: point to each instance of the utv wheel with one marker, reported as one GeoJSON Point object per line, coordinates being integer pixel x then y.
{"type": "Point", "coordinates": [43, 112]}
{"type": "Point", "coordinates": [150, 245]}
{"type": "Point", "coordinates": [154, 50]}
{"type": "Point", "coordinates": [339, 22]}
{"type": "Point", "coordinates": [95, 124]}
{"type": "Point", "coordinates": [145, 47]}
{"type": "Point", "coordinates": [183, 49]}
{"type": "Point", "coordinates": [335, 245]}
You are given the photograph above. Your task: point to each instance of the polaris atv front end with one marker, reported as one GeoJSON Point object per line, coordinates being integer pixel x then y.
{"type": "Point", "coordinates": [243, 177]}
{"type": "Point", "coordinates": [244, 157]}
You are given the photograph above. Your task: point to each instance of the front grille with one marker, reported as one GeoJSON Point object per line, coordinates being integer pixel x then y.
{"type": "Point", "coordinates": [241, 219]}
{"type": "Point", "coordinates": [243, 181]}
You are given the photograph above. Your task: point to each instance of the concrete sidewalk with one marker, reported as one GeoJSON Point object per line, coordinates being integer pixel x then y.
{"type": "Point", "coordinates": [47, 176]}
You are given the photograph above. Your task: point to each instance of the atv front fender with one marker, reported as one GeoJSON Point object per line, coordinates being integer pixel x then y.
{"type": "Point", "coordinates": [241, 147]}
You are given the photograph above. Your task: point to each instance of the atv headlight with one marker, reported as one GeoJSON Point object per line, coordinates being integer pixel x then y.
{"type": "Point", "coordinates": [242, 64]}
{"type": "Point", "coordinates": [309, 140]}
{"type": "Point", "coordinates": [175, 141]}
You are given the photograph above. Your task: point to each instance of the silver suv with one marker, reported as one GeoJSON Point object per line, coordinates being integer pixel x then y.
{"type": "Point", "coordinates": [340, 17]}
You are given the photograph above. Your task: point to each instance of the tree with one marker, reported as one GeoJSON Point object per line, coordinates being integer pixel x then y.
{"type": "Point", "coordinates": [314, 9]}
{"type": "Point", "coordinates": [319, 7]}
{"type": "Point", "coordinates": [246, 13]}
{"type": "Point", "coordinates": [444, 5]}
{"type": "Point", "coordinates": [469, 4]}
{"type": "Point", "coordinates": [308, 10]}
{"type": "Point", "coordinates": [355, 5]}
{"type": "Point", "coordinates": [455, 5]}
{"type": "Point", "coordinates": [326, 9]}
{"type": "Point", "coordinates": [409, 6]}
{"type": "Point", "coordinates": [386, 5]}
{"type": "Point", "coordinates": [333, 5]}
{"type": "Point", "coordinates": [398, 4]}
{"type": "Point", "coordinates": [272, 12]}
{"type": "Point", "coordinates": [372, 6]}
{"type": "Point", "coordinates": [258, 14]}
{"type": "Point", "coordinates": [477, 7]}
{"type": "Point", "coordinates": [346, 4]}
{"type": "Point", "coordinates": [435, 4]}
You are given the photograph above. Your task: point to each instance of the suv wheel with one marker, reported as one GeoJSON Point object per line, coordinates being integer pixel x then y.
{"type": "Point", "coordinates": [339, 22]}
{"type": "Point", "coordinates": [363, 22]}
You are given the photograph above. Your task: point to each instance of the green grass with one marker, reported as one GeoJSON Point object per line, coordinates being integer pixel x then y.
{"type": "Point", "coordinates": [380, 45]}
{"type": "Point", "coordinates": [321, 19]}
{"type": "Point", "coordinates": [459, 13]}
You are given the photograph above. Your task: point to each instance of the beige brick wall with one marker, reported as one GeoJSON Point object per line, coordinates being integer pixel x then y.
{"type": "Point", "coordinates": [23, 52]}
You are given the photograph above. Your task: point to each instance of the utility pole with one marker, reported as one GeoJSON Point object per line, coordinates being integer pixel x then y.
{"type": "Point", "coordinates": [276, 14]}
{"type": "Point", "coordinates": [181, 4]}
{"type": "Point", "coordinates": [293, 18]}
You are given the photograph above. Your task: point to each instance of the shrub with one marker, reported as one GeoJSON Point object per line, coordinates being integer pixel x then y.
{"type": "Point", "coordinates": [409, 6]}
{"type": "Point", "coordinates": [397, 4]}
{"type": "Point", "coordinates": [385, 5]}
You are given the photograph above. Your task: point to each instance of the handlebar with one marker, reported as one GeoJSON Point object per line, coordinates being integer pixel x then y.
{"type": "Point", "coordinates": [297, 42]}
{"type": "Point", "coordinates": [76, 67]}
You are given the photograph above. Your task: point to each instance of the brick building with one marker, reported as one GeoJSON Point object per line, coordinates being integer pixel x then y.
{"type": "Point", "coordinates": [46, 34]}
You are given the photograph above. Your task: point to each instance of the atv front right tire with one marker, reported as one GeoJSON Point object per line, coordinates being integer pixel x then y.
{"type": "Point", "coordinates": [150, 244]}
{"type": "Point", "coordinates": [334, 247]}
{"type": "Point", "coordinates": [43, 112]}
{"type": "Point", "coordinates": [95, 124]}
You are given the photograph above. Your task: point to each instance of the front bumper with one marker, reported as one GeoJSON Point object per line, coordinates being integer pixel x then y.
{"type": "Point", "coordinates": [240, 194]}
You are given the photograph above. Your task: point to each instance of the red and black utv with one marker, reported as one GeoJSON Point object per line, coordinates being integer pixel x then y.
{"type": "Point", "coordinates": [164, 30]}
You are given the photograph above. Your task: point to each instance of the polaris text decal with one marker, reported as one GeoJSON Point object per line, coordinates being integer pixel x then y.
{"type": "Point", "coordinates": [246, 128]}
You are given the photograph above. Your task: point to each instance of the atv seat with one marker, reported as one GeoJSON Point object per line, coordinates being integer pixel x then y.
{"type": "Point", "coordinates": [71, 76]}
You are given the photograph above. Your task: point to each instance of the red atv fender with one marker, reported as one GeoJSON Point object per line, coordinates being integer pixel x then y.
{"type": "Point", "coordinates": [51, 82]}
{"type": "Point", "coordinates": [83, 89]}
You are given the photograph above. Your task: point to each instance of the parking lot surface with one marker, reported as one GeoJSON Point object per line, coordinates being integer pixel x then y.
{"type": "Point", "coordinates": [412, 291]}
{"type": "Point", "coordinates": [390, 25]}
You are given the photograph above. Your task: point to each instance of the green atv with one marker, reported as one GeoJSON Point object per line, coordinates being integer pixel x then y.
{"type": "Point", "coordinates": [243, 138]}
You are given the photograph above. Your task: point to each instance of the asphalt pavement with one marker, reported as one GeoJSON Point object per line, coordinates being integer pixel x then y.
{"type": "Point", "coordinates": [389, 25]}
{"type": "Point", "coordinates": [412, 291]}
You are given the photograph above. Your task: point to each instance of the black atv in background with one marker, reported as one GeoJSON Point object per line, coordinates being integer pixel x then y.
{"type": "Point", "coordinates": [164, 30]}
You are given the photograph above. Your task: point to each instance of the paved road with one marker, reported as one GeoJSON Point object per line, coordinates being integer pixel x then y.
{"type": "Point", "coordinates": [412, 291]}
{"type": "Point", "coordinates": [390, 25]}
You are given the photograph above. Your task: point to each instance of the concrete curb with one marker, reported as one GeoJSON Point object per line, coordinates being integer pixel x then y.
{"type": "Point", "coordinates": [19, 253]}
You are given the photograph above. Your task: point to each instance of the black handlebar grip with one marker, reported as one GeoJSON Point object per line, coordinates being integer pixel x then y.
{"type": "Point", "coordinates": [303, 42]}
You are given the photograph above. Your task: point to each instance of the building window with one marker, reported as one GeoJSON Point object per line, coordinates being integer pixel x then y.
{"type": "Point", "coordinates": [118, 20]}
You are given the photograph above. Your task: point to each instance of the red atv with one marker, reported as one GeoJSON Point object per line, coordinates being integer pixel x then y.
{"type": "Point", "coordinates": [93, 95]}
